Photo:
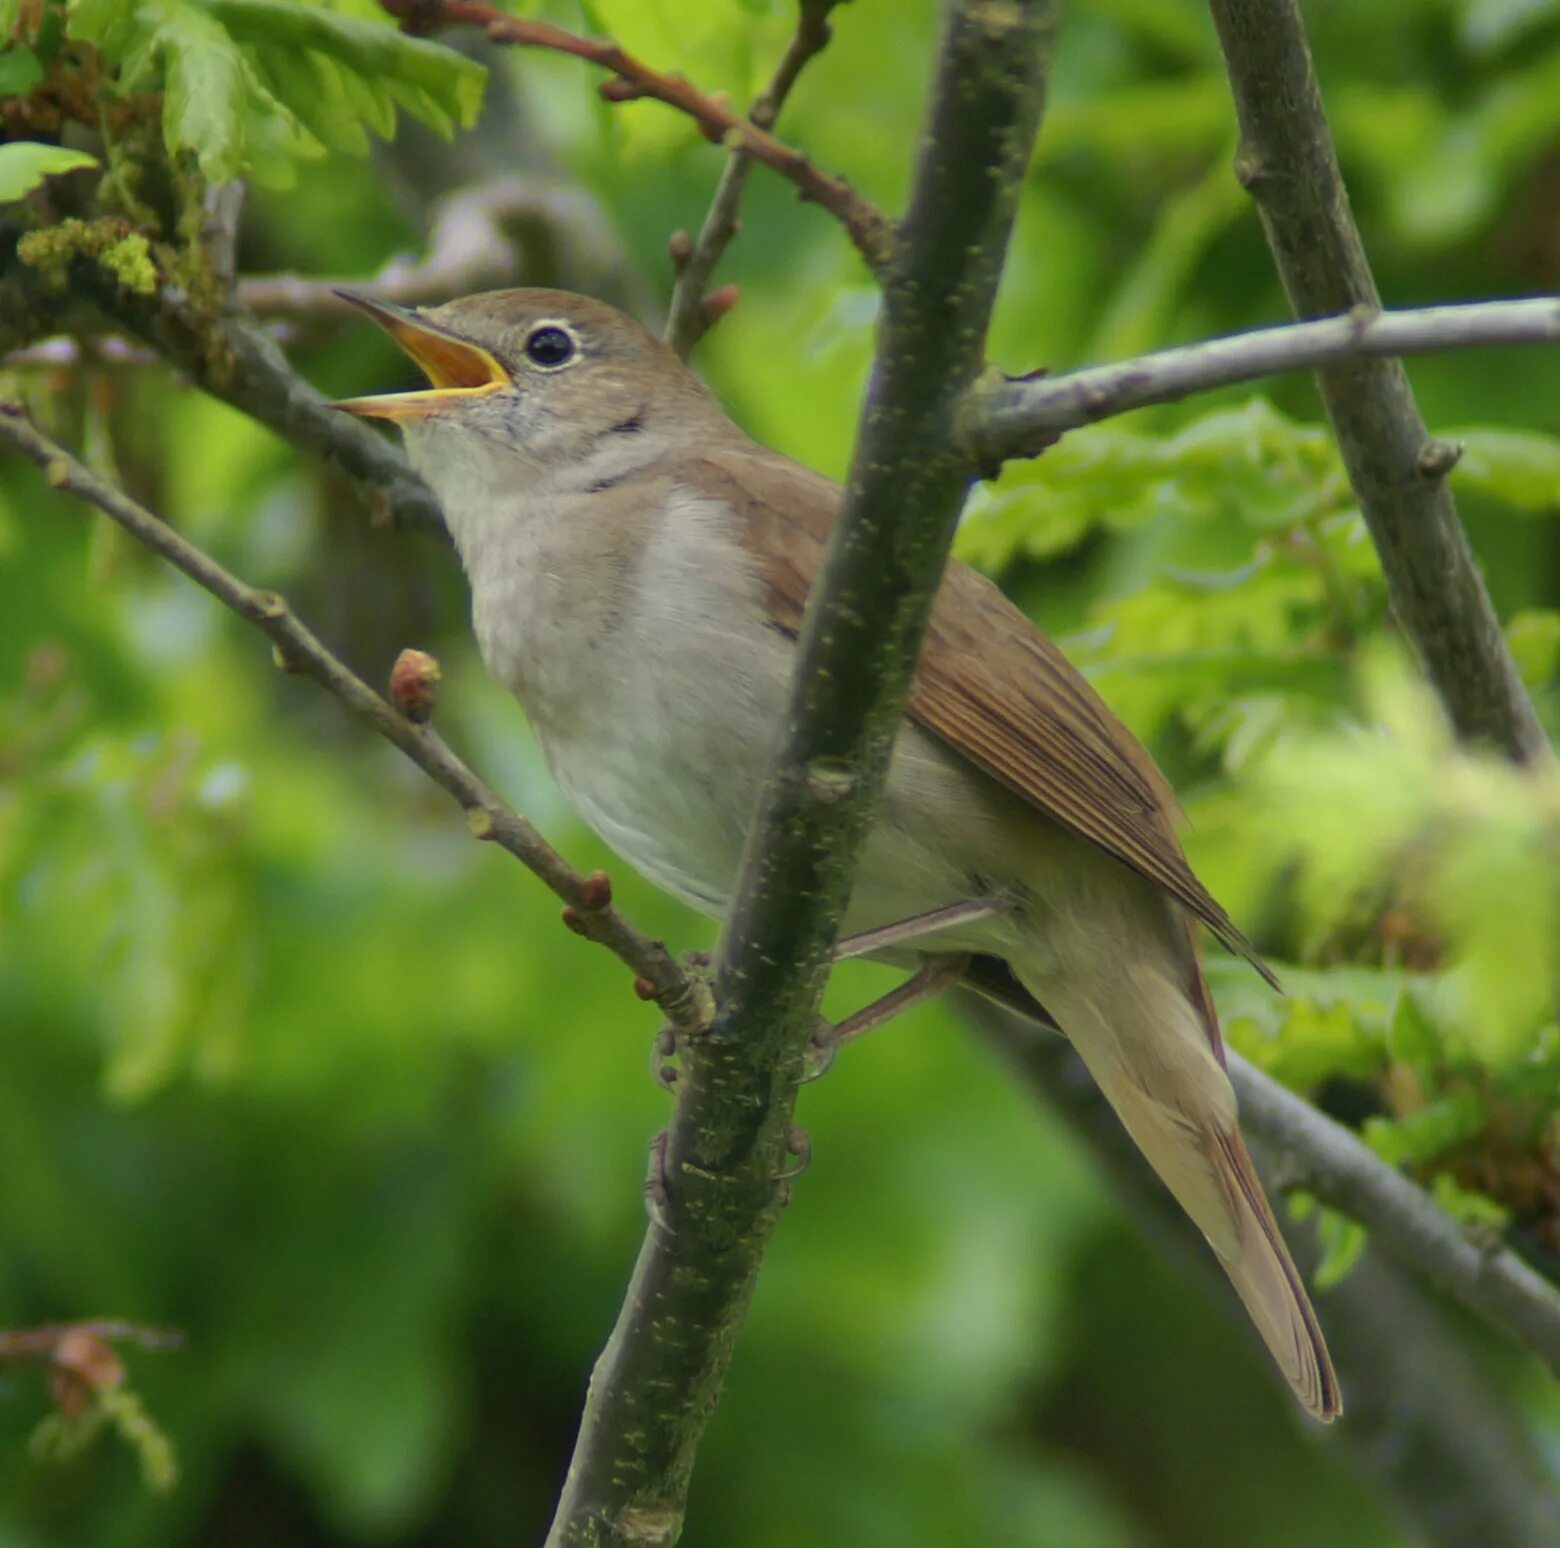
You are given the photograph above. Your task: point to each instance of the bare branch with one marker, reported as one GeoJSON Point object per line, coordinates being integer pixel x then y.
{"type": "Point", "coordinates": [688, 320]}
{"type": "Point", "coordinates": [301, 652]}
{"type": "Point", "coordinates": [869, 229]}
{"type": "Point", "coordinates": [471, 246]}
{"type": "Point", "coordinates": [1288, 164]}
{"type": "Point", "coordinates": [656, 1383]}
{"type": "Point", "coordinates": [1005, 418]}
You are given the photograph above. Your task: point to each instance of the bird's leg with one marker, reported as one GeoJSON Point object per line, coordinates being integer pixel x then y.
{"type": "Point", "coordinates": [932, 977]}
{"type": "Point", "coordinates": [917, 925]}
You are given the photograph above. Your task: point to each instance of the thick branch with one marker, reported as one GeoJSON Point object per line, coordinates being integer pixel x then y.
{"type": "Point", "coordinates": [867, 226]}
{"type": "Point", "coordinates": [687, 319]}
{"type": "Point", "coordinates": [1423, 1418]}
{"type": "Point", "coordinates": [1005, 418]}
{"type": "Point", "coordinates": [662, 1371]}
{"type": "Point", "coordinates": [1287, 162]}
{"type": "Point", "coordinates": [300, 651]}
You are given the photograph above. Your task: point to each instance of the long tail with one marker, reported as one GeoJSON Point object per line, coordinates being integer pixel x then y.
{"type": "Point", "coordinates": [1149, 1050]}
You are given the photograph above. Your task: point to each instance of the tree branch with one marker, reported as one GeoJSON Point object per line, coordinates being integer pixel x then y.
{"type": "Point", "coordinates": [590, 912]}
{"type": "Point", "coordinates": [1424, 1420]}
{"type": "Point", "coordinates": [229, 355]}
{"type": "Point", "coordinates": [869, 229]}
{"type": "Point", "coordinates": [688, 320]}
{"type": "Point", "coordinates": [1005, 418]}
{"type": "Point", "coordinates": [471, 246]}
{"type": "Point", "coordinates": [657, 1381]}
{"type": "Point", "coordinates": [1287, 162]}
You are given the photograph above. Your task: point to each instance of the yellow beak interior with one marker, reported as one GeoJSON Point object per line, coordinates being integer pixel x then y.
{"type": "Point", "coordinates": [456, 367]}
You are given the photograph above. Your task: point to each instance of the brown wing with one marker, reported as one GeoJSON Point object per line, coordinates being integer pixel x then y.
{"type": "Point", "coordinates": [989, 683]}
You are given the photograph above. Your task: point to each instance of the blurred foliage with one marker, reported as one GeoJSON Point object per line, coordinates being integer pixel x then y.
{"type": "Point", "coordinates": [289, 1063]}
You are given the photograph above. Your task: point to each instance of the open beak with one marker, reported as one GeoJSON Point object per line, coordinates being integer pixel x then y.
{"type": "Point", "coordinates": [456, 367]}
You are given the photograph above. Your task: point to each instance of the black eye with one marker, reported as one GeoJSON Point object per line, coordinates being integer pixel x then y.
{"type": "Point", "coordinates": [549, 347]}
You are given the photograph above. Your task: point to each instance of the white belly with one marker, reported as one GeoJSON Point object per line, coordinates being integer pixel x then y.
{"type": "Point", "coordinates": [657, 701]}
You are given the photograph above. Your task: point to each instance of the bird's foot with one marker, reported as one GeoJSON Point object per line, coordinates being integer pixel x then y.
{"type": "Point", "coordinates": [798, 1142]}
{"type": "Point", "coordinates": [657, 1191]}
{"type": "Point", "coordinates": [934, 975]}
{"type": "Point", "coordinates": [696, 964]}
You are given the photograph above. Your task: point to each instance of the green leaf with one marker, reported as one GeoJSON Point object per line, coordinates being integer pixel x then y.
{"type": "Point", "coordinates": [1534, 638]}
{"type": "Point", "coordinates": [436, 84]}
{"type": "Point", "coordinates": [1343, 1242]}
{"type": "Point", "coordinates": [24, 164]}
{"type": "Point", "coordinates": [19, 70]}
{"type": "Point", "coordinates": [206, 90]}
{"type": "Point", "coordinates": [110, 24]}
{"type": "Point", "coordinates": [1429, 1131]}
{"type": "Point", "coordinates": [10, 14]}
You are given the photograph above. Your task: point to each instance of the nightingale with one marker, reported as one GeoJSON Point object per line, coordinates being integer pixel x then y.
{"type": "Point", "coordinates": [638, 568]}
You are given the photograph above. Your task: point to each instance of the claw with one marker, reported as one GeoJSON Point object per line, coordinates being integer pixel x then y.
{"type": "Point", "coordinates": [656, 1189]}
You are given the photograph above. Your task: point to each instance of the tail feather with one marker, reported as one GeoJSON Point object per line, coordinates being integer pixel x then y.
{"type": "Point", "coordinates": [1146, 1046]}
{"type": "Point", "coordinates": [1270, 1287]}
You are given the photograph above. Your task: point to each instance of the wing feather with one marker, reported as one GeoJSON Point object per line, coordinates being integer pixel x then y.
{"type": "Point", "coordinates": [989, 683]}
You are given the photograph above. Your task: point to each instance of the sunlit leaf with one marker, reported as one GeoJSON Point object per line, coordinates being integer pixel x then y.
{"type": "Point", "coordinates": [24, 164]}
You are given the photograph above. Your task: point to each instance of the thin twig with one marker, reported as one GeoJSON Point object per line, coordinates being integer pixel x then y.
{"type": "Point", "coordinates": [1288, 164]}
{"type": "Point", "coordinates": [869, 229]}
{"type": "Point", "coordinates": [43, 1342]}
{"type": "Point", "coordinates": [1005, 418]}
{"type": "Point", "coordinates": [656, 1383]}
{"type": "Point", "coordinates": [471, 246]}
{"type": "Point", "coordinates": [657, 976]}
{"type": "Point", "coordinates": [688, 319]}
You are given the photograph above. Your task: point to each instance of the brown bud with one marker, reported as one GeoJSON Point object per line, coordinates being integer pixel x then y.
{"type": "Point", "coordinates": [680, 245]}
{"type": "Point", "coordinates": [718, 302]}
{"type": "Point", "coordinates": [596, 892]}
{"type": "Point", "coordinates": [414, 685]}
{"type": "Point", "coordinates": [572, 921]}
{"type": "Point", "coordinates": [84, 1364]}
{"type": "Point", "coordinates": [644, 988]}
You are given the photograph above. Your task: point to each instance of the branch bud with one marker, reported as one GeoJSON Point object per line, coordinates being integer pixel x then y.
{"type": "Point", "coordinates": [414, 684]}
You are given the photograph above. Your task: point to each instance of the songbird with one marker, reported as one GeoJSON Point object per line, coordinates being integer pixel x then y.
{"type": "Point", "coordinates": [638, 569]}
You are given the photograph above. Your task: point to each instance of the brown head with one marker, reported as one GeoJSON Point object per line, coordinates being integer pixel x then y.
{"type": "Point", "coordinates": [542, 375]}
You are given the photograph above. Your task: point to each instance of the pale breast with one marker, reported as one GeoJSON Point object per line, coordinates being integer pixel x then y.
{"type": "Point", "coordinates": [649, 676]}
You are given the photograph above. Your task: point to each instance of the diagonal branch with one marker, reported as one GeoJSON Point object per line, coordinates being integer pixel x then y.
{"type": "Point", "coordinates": [588, 898]}
{"type": "Point", "coordinates": [688, 319]}
{"type": "Point", "coordinates": [1005, 417]}
{"type": "Point", "coordinates": [657, 1381]}
{"type": "Point", "coordinates": [869, 229]}
{"type": "Point", "coordinates": [1288, 164]}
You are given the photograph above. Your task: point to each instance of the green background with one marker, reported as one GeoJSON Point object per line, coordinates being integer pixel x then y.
{"type": "Point", "coordinates": [289, 1063]}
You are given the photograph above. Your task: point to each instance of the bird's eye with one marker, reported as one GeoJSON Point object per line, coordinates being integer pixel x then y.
{"type": "Point", "coordinates": [550, 347]}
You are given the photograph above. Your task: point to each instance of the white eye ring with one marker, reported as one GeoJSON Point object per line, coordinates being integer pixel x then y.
{"type": "Point", "coordinates": [551, 345]}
